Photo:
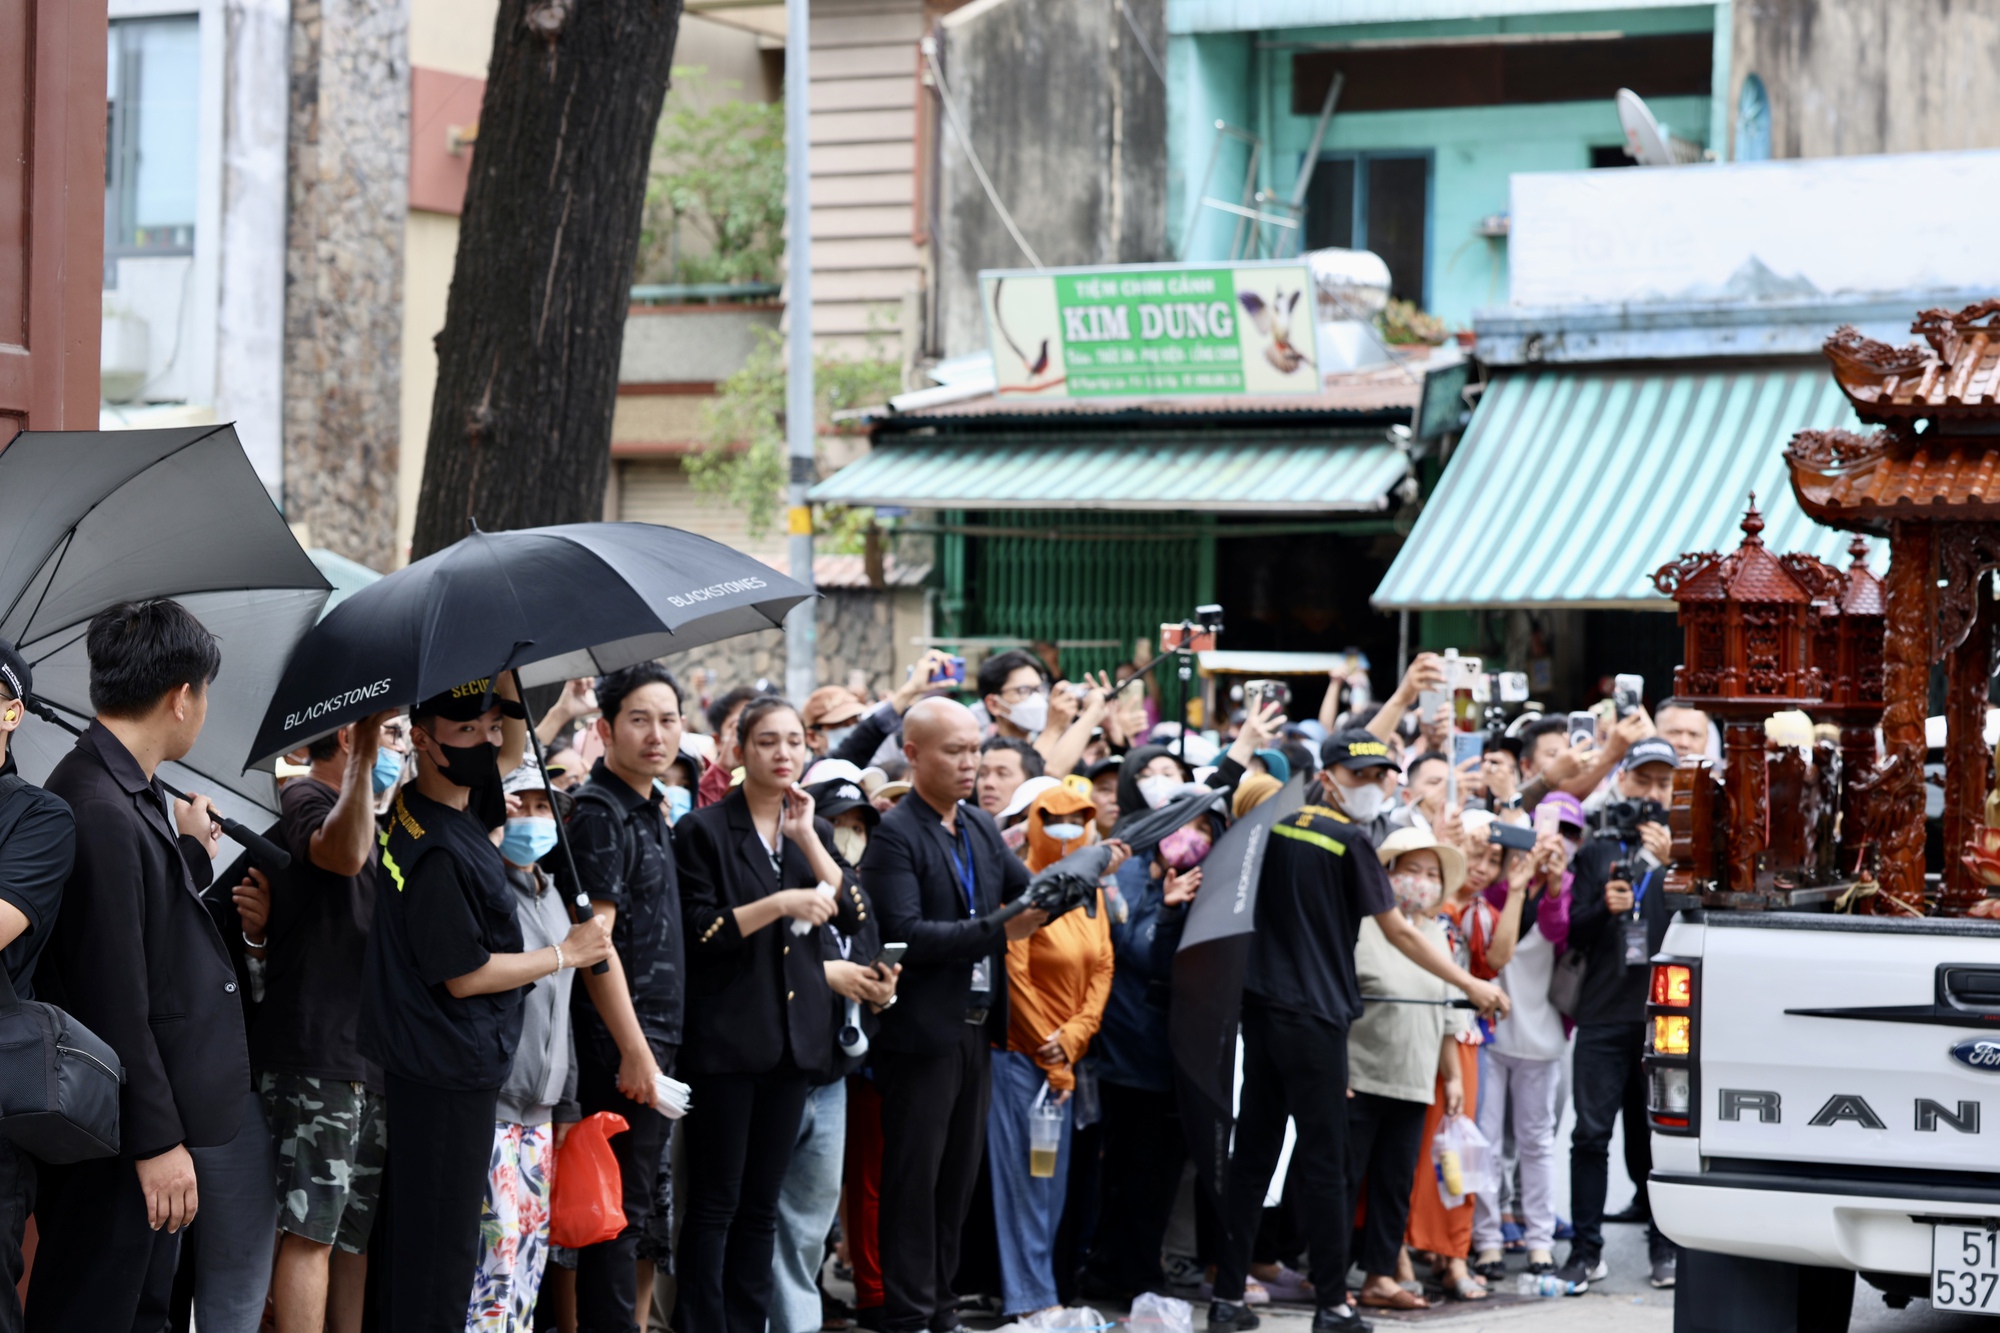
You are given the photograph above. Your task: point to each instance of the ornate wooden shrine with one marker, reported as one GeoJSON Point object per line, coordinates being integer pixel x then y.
{"type": "Point", "coordinates": [1766, 632]}
{"type": "Point", "coordinates": [1928, 477]}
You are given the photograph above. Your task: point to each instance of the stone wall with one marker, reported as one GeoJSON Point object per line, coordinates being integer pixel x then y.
{"type": "Point", "coordinates": [856, 632]}
{"type": "Point", "coordinates": [349, 168]}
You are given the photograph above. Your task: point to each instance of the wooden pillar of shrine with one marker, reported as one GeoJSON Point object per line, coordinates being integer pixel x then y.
{"type": "Point", "coordinates": [1896, 810]}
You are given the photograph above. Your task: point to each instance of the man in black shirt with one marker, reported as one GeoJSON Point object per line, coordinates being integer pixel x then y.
{"type": "Point", "coordinates": [937, 870]}
{"type": "Point", "coordinates": [37, 848]}
{"type": "Point", "coordinates": [441, 1011]}
{"type": "Point", "coordinates": [1320, 878]}
{"type": "Point", "coordinates": [628, 1021]}
{"type": "Point", "coordinates": [323, 1102]}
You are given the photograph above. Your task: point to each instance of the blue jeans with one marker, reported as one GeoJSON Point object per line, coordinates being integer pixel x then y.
{"type": "Point", "coordinates": [1026, 1209]}
{"type": "Point", "coordinates": [806, 1205]}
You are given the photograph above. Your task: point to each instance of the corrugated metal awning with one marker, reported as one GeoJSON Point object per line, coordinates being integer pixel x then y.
{"type": "Point", "coordinates": [1572, 486]}
{"type": "Point", "coordinates": [1215, 472]}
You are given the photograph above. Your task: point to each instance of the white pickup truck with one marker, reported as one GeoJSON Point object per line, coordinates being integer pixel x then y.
{"type": "Point", "coordinates": [1819, 1094]}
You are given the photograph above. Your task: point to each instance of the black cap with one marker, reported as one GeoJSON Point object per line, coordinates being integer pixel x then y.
{"type": "Point", "coordinates": [1109, 764]}
{"type": "Point", "coordinates": [14, 674]}
{"type": "Point", "coordinates": [465, 703]}
{"type": "Point", "coordinates": [1355, 748]}
{"type": "Point", "coordinates": [836, 796]}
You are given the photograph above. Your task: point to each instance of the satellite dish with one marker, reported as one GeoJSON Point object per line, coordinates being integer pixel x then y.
{"type": "Point", "coordinates": [1647, 141]}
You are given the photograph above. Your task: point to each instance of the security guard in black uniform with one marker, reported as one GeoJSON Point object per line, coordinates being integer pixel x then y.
{"type": "Point", "coordinates": [441, 1012]}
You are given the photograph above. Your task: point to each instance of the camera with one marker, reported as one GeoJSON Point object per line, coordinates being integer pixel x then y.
{"type": "Point", "coordinates": [1621, 819]}
{"type": "Point", "coordinates": [1257, 693]}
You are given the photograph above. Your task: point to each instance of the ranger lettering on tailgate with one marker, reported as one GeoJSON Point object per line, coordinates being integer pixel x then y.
{"type": "Point", "coordinates": [1767, 1107]}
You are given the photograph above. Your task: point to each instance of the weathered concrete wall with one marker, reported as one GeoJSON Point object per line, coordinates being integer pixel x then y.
{"type": "Point", "coordinates": [1871, 76]}
{"type": "Point", "coordinates": [349, 151]}
{"type": "Point", "coordinates": [1069, 118]}
{"type": "Point", "coordinates": [857, 629]}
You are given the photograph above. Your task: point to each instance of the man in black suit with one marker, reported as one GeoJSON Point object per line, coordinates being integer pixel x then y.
{"type": "Point", "coordinates": [135, 957]}
{"type": "Point", "coordinates": [937, 869]}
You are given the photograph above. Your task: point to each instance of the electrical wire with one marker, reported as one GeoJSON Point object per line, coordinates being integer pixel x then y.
{"type": "Point", "coordinates": [1145, 47]}
{"type": "Point", "coordinates": [957, 124]}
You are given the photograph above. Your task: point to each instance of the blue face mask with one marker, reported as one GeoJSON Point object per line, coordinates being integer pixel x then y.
{"type": "Point", "coordinates": [527, 841]}
{"type": "Point", "coordinates": [679, 801]}
{"type": "Point", "coordinates": [388, 768]}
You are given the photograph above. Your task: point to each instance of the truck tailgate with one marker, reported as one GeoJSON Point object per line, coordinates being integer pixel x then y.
{"type": "Point", "coordinates": [1897, 1068]}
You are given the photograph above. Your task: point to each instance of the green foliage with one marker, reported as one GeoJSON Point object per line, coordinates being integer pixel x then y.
{"type": "Point", "coordinates": [743, 460]}
{"type": "Point", "coordinates": [718, 178]}
{"type": "Point", "coordinates": [1403, 322]}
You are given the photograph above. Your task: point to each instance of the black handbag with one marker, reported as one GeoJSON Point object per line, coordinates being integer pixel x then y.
{"type": "Point", "coordinates": [59, 1081]}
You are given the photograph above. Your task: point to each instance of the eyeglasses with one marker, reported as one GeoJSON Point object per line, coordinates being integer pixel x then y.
{"type": "Point", "coordinates": [1020, 691]}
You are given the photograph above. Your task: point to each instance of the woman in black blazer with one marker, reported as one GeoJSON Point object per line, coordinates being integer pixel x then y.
{"type": "Point", "coordinates": [757, 1013]}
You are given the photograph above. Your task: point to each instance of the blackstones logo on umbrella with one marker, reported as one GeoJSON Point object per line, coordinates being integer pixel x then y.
{"type": "Point", "coordinates": [696, 596]}
{"type": "Point", "coordinates": [358, 694]}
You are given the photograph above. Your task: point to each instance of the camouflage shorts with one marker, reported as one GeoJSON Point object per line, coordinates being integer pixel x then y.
{"type": "Point", "coordinates": [332, 1139]}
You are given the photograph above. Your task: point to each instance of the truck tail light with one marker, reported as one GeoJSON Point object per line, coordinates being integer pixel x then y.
{"type": "Point", "coordinates": [1673, 1039]}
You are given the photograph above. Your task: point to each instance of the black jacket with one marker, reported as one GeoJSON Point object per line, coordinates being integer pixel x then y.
{"type": "Point", "coordinates": [752, 998]}
{"type": "Point", "coordinates": [136, 959]}
{"type": "Point", "coordinates": [1612, 992]}
{"type": "Point", "coordinates": [909, 873]}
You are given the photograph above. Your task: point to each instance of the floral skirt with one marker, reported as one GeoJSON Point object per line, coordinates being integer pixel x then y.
{"type": "Point", "coordinates": [513, 1229]}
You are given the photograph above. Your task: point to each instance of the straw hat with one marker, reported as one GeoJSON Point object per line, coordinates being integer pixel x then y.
{"type": "Point", "coordinates": [1406, 840]}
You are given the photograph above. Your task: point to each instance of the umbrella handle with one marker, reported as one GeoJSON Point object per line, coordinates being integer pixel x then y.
{"type": "Point", "coordinates": [579, 905]}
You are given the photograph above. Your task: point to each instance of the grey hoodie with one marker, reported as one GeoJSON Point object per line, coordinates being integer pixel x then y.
{"type": "Point", "coordinates": [541, 1086]}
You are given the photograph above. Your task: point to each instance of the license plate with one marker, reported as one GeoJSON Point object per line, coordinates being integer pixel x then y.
{"type": "Point", "coordinates": [1965, 1269]}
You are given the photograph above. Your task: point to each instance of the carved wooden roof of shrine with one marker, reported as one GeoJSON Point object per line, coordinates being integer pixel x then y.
{"type": "Point", "coordinates": [1956, 376]}
{"type": "Point", "coordinates": [1862, 481]}
{"type": "Point", "coordinates": [1750, 573]}
{"type": "Point", "coordinates": [1863, 594]}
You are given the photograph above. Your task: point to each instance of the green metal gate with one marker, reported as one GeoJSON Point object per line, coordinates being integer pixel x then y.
{"type": "Point", "coordinates": [1067, 575]}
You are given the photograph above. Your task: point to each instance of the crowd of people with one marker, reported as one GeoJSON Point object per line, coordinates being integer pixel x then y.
{"type": "Point", "coordinates": [348, 1083]}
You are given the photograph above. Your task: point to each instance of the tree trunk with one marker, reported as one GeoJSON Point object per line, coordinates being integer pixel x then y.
{"type": "Point", "coordinates": [528, 359]}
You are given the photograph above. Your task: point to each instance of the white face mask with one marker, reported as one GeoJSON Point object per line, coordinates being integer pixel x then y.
{"type": "Point", "coordinates": [1031, 714]}
{"type": "Point", "coordinates": [1362, 803]}
{"type": "Point", "coordinates": [850, 843]}
{"type": "Point", "coordinates": [1063, 832]}
{"type": "Point", "coordinates": [1158, 789]}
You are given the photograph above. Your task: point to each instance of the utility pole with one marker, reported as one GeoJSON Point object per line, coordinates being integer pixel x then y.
{"type": "Point", "coordinates": [801, 631]}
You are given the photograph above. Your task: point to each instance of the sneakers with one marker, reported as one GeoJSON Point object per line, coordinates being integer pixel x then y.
{"type": "Point", "coordinates": [1333, 1321]}
{"type": "Point", "coordinates": [1665, 1266]}
{"type": "Point", "coordinates": [1584, 1266]}
{"type": "Point", "coordinates": [1180, 1270]}
{"type": "Point", "coordinates": [1230, 1317]}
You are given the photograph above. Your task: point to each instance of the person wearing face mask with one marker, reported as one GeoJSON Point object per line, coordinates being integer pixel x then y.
{"type": "Point", "coordinates": [324, 1101]}
{"type": "Point", "coordinates": [441, 1008]}
{"type": "Point", "coordinates": [1401, 1058]}
{"type": "Point", "coordinates": [1014, 686]}
{"type": "Point", "coordinates": [537, 1105]}
{"type": "Point", "coordinates": [1058, 980]}
{"type": "Point", "coordinates": [830, 714]}
{"type": "Point", "coordinates": [861, 990]}
{"type": "Point", "coordinates": [678, 786]}
{"type": "Point", "coordinates": [1320, 880]}
{"type": "Point", "coordinates": [1144, 1147]}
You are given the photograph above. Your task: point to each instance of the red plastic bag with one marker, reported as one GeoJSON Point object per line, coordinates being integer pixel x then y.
{"type": "Point", "coordinates": [587, 1201]}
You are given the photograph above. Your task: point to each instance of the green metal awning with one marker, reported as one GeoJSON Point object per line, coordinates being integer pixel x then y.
{"type": "Point", "coordinates": [1572, 486]}
{"type": "Point", "coordinates": [1213, 471]}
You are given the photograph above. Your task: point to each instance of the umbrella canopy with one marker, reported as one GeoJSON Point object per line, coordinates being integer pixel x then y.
{"type": "Point", "coordinates": [92, 518]}
{"type": "Point", "coordinates": [1143, 830]}
{"type": "Point", "coordinates": [1208, 982]}
{"type": "Point", "coordinates": [554, 603]}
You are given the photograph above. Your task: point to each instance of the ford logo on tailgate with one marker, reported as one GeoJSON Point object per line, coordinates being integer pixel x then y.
{"type": "Point", "coordinates": [1981, 1053]}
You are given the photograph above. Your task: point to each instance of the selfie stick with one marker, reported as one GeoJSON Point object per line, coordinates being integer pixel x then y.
{"type": "Point", "coordinates": [262, 850]}
{"type": "Point", "coordinates": [580, 905]}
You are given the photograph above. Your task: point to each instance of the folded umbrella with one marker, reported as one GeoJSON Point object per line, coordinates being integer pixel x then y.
{"type": "Point", "coordinates": [1207, 994]}
{"type": "Point", "coordinates": [92, 518]}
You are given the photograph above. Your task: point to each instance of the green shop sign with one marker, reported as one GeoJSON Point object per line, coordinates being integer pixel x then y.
{"type": "Point", "coordinates": [1152, 330]}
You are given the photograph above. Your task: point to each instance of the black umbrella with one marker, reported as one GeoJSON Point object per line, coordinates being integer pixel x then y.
{"type": "Point", "coordinates": [1143, 829]}
{"type": "Point", "coordinates": [92, 518]}
{"type": "Point", "coordinates": [545, 604]}
{"type": "Point", "coordinates": [1208, 982]}
{"type": "Point", "coordinates": [550, 604]}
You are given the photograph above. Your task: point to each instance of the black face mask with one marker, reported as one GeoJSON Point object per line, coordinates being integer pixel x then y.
{"type": "Point", "coordinates": [470, 766]}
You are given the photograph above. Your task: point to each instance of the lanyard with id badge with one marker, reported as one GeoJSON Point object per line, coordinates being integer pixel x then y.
{"type": "Point", "coordinates": [982, 971]}
{"type": "Point", "coordinates": [1636, 952]}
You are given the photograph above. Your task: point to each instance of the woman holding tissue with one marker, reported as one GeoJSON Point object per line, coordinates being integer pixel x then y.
{"type": "Point", "coordinates": [1057, 982]}
{"type": "Point", "coordinates": [758, 877]}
